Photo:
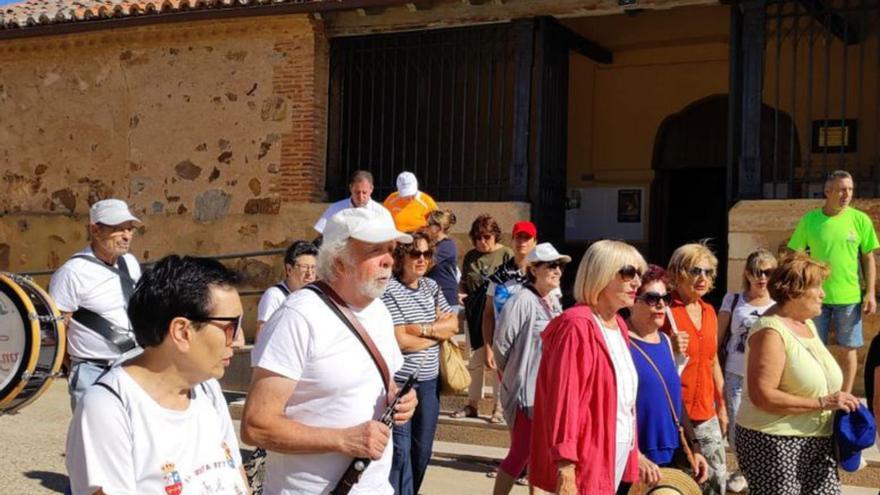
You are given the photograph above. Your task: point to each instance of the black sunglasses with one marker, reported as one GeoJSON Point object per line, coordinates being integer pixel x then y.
{"type": "Point", "coordinates": [767, 273]}
{"type": "Point", "coordinates": [553, 264]}
{"type": "Point", "coordinates": [629, 272]}
{"type": "Point", "coordinates": [706, 272]}
{"type": "Point", "coordinates": [230, 334]}
{"type": "Point", "coordinates": [414, 254]}
{"type": "Point", "coordinates": [654, 298]}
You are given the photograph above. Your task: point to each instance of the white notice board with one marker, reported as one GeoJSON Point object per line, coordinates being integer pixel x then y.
{"type": "Point", "coordinates": [606, 213]}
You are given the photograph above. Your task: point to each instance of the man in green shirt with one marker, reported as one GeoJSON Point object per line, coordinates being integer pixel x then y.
{"type": "Point", "coordinates": [841, 237]}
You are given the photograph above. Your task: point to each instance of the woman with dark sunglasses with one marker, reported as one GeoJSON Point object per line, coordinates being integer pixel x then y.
{"type": "Point", "coordinates": [739, 310]}
{"type": "Point", "coordinates": [584, 424]}
{"type": "Point", "coordinates": [422, 318]}
{"type": "Point", "coordinates": [517, 344]}
{"type": "Point", "coordinates": [659, 385]}
{"type": "Point", "coordinates": [694, 327]}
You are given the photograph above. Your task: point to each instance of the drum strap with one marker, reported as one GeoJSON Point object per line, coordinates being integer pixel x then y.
{"type": "Point", "coordinates": [119, 336]}
{"type": "Point", "coordinates": [283, 288]}
{"type": "Point", "coordinates": [124, 274]}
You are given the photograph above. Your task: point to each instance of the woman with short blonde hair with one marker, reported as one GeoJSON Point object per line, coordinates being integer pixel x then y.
{"type": "Point", "coordinates": [793, 386]}
{"type": "Point", "coordinates": [692, 270]}
{"type": "Point", "coordinates": [585, 392]}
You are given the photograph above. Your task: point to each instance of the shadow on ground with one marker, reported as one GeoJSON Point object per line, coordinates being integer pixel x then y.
{"type": "Point", "coordinates": [56, 482]}
{"type": "Point", "coordinates": [471, 466]}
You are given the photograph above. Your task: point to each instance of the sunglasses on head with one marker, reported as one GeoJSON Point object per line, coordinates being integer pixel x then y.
{"type": "Point", "coordinates": [763, 273]}
{"type": "Point", "coordinates": [231, 329]}
{"type": "Point", "coordinates": [706, 272]}
{"type": "Point", "coordinates": [414, 254]}
{"type": "Point", "coordinates": [654, 298]}
{"type": "Point", "coordinates": [629, 272]}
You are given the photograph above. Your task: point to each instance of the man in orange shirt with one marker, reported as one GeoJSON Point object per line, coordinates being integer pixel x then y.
{"type": "Point", "coordinates": [409, 206]}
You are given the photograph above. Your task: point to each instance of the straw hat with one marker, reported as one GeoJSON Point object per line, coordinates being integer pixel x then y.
{"type": "Point", "coordinates": [672, 482]}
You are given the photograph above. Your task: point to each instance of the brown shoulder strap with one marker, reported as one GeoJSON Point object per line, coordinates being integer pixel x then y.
{"type": "Point", "coordinates": [338, 306]}
{"type": "Point", "coordinates": [687, 449]}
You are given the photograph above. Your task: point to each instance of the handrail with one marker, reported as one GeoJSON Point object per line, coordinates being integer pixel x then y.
{"type": "Point", "coordinates": [246, 254]}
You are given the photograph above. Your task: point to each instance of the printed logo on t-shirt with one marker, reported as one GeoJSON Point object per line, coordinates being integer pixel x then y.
{"type": "Point", "coordinates": [851, 237]}
{"type": "Point", "coordinates": [173, 483]}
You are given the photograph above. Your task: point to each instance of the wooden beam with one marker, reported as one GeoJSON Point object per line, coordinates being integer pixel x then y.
{"type": "Point", "coordinates": [833, 22]}
{"type": "Point", "coordinates": [368, 11]}
{"type": "Point", "coordinates": [420, 5]}
{"type": "Point", "coordinates": [586, 47]}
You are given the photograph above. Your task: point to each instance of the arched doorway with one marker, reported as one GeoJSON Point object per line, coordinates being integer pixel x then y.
{"type": "Point", "coordinates": [689, 193]}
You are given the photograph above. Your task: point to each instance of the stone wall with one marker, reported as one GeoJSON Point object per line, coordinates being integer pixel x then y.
{"type": "Point", "coordinates": [201, 120]}
{"type": "Point", "coordinates": [769, 224]}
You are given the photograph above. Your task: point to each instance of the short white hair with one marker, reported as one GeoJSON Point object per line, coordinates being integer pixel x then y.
{"type": "Point", "coordinates": [600, 265]}
{"type": "Point", "coordinates": [328, 254]}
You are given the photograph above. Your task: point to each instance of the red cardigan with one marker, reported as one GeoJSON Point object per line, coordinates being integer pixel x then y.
{"type": "Point", "coordinates": [576, 406]}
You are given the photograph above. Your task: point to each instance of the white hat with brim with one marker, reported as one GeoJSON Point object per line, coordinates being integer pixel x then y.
{"type": "Point", "coordinates": [111, 212]}
{"type": "Point", "coordinates": [672, 482]}
{"type": "Point", "coordinates": [407, 184]}
{"type": "Point", "coordinates": [545, 252]}
{"type": "Point", "coordinates": [364, 225]}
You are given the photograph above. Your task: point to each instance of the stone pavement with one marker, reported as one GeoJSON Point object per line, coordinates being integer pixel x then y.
{"type": "Point", "coordinates": [32, 455]}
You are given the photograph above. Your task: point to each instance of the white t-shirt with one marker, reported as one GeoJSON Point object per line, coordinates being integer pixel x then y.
{"type": "Point", "coordinates": [741, 319]}
{"type": "Point", "coordinates": [342, 204]}
{"type": "Point", "coordinates": [134, 446]}
{"type": "Point", "coordinates": [627, 387]}
{"type": "Point", "coordinates": [338, 386]}
{"type": "Point", "coordinates": [270, 301]}
{"type": "Point", "coordinates": [81, 283]}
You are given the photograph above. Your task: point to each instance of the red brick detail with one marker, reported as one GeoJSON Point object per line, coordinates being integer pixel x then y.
{"type": "Point", "coordinates": [301, 77]}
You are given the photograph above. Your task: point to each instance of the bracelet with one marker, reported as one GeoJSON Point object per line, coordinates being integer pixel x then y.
{"type": "Point", "coordinates": [431, 330]}
{"type": "Point", "coordinates": [821, 403]}
{"type": "Point", "coordinates": [421, 329]}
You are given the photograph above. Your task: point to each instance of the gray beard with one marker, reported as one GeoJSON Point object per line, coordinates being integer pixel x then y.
{"type": "Point", "coordinates": [373, 289]}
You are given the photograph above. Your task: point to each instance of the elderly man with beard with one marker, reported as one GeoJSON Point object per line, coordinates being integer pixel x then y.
{"type": "Point", "coordinates": [92, 289]}
{"type": "Point", "coordinates": [315, 394]}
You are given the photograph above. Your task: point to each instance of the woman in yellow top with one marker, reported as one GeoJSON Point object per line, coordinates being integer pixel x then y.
{"type": "Point", "coordinates": [793, 387]}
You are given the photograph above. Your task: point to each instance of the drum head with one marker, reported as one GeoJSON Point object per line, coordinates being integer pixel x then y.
{"type": "Point", "coordinates": [18, 336]}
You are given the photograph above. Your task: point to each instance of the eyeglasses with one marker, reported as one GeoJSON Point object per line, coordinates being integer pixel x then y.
{"type": "Point", "coordinates": [706, 272]}
{"type": "Point", "coordinates": [629, 272]}
{"type": "Point", "coordinates": [420, 254]}
{"type": "Point", "coordinates": [485, 237]}
{"type": "Point", "coordinates": [763, 273]}
{"type": "Point", "coordinates": [654, 298]}
{"type": "Point", "coordinates": [553, 264]}
{"type": "Point", "coordinates": [230, 329]}
{"type": "Point", "coordinates": [306, 268]}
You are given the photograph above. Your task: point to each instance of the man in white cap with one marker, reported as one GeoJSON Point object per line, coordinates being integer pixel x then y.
{"type": "Point", "coordinates": [92, 289]}
{"type": "Point", "coordinates": [408, 205]}
{"type": "Point", "coordinates": [318, 387]}
{"type": "Point", "coordinates": [360, 188]}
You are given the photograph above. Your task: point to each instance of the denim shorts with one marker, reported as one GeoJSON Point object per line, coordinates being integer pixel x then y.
{"type": "Point", "coordinates": [847, 322]}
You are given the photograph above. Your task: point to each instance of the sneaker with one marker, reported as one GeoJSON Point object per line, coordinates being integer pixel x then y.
{"type": "Point", "coordinates": [737, 483]}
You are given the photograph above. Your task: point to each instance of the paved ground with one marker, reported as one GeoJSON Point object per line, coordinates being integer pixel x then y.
{"type": "Point", "coordinates": [32, 455]}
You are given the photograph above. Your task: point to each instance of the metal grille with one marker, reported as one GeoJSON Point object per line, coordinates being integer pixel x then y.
{"type": "Point", "coordinates": [822, 87]}
{"type": "Point", "coordinates": [438, 103]}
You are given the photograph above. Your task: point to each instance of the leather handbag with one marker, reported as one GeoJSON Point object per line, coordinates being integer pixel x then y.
{"type": "Point", "coordinates": [454, 375]}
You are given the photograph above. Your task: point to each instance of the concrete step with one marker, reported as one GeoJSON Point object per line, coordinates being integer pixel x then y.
{"type": "Point", "coordinates": [473, 431]}
{"type": "Point", "coordinates": [456, 402]}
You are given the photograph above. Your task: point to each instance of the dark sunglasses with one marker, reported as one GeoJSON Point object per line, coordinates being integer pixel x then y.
{"type": "Point", "coordinates": [554, 265]}
{"type": "Point", "coordinates": [230, 329]}
{"type": "Point", "coordinates": [766, 273]}
{"type": "Point", "coordinates": [706, 272]}
{"type": "Point", "coordinates": [654, 298]}
{"type": "Point", "coordinates": [420, 254]}
{"type": "Point", "coordinates": [484, 237]}
{"type": "Point", "coordinates": [629, 272]}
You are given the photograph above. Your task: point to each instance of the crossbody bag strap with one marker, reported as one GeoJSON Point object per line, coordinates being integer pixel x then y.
{"type": "Point", "coordinates": [125, 279]}
{"type": "Point", "coordinates": [338, 306]}
{"type": "Point", "coordinates": [687, 449]}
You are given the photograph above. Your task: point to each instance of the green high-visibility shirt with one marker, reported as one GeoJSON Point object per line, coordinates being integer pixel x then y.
{"type": "Point", "coordinates": [839, 241]}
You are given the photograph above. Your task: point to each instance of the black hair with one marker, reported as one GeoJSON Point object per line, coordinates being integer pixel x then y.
{"type": "Point", "coordinates": [297, 249]}
{"type": "Point", "coordinates": [175, 286]}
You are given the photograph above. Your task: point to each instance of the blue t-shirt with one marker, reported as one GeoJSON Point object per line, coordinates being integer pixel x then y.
{"type": "Point", "coordinates": [658, 436]}
{"type": "Point", "coordinates": [445, 270]}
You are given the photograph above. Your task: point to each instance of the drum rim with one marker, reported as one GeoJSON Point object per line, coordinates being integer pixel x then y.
{"type": "Point", "coordinates": [15, 387]}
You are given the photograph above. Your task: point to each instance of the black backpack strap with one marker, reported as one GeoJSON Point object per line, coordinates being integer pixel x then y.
{"type": "Point", "coordinates": [283, 288]}
{"type": "Point", "coordinates": [122, 272]}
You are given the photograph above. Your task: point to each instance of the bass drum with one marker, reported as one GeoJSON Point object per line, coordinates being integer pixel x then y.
{"type": "Point", "coordinates": [32, 341]}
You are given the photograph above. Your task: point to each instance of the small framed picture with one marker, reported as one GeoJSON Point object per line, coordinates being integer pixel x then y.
{"type": "Point", "coordinates": [629, 205]}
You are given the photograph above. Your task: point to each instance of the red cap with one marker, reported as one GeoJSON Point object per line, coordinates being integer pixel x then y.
{"type": "Point", "coordinates": [525, 228]}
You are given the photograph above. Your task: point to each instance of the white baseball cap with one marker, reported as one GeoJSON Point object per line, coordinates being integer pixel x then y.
{"type": "Point", "coordinates": [545, 252]}
{"type": "Point", "coordinates": [364, 225]}
{"type": "Point", "coordinates": [111, 212]}
{"type": "Point", "coordinates": [407, 184]}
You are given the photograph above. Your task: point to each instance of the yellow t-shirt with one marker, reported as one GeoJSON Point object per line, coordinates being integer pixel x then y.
{"type": "Point", "coordinates": [409, 213]}
{"type": "Point", "coordinates": [810, 371]}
